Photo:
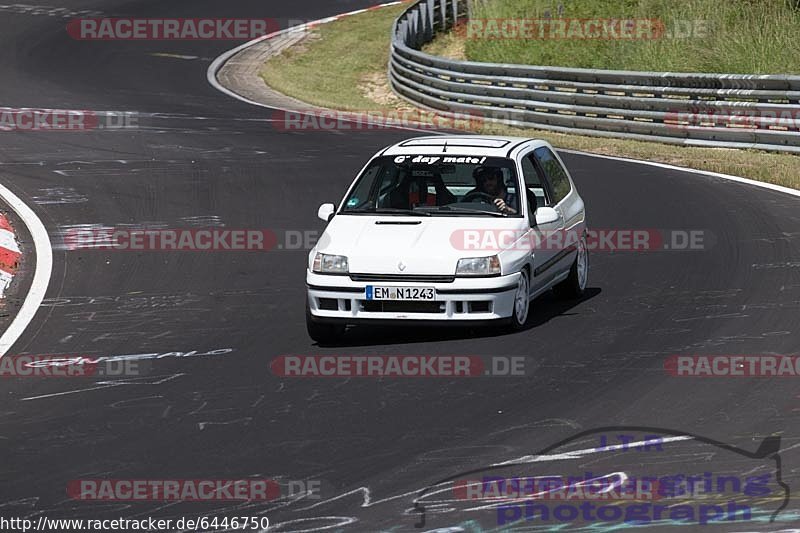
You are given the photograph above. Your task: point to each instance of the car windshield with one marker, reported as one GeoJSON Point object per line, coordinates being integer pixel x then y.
{"type": "Point", "coordinates": [436, 185]}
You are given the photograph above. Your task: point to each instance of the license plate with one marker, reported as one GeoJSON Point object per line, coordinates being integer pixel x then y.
{"type": "Point", "coordinates": [400, 293]}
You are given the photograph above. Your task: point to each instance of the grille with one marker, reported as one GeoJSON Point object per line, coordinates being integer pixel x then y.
{"type": "Point", "coordinates": [389, 306]}
{"type": "Point", "coordinates": [401, 278]}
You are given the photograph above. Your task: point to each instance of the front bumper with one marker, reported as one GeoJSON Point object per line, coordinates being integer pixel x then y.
{"type": "Point", "coordinates": [340, 299]}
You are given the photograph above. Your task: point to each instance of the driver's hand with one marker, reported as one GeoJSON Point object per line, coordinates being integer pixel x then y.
{"type": "Point", "coordinates": [503, 206]}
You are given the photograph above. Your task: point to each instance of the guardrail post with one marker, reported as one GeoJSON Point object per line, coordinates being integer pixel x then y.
{"type": "Point", "coordinates": [427, 18]}
{"type": "Point", "coordinates": [415, 29]}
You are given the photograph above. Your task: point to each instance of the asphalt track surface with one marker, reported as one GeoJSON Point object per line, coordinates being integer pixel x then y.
{"type": "Point", "coordinates": [203, 158]}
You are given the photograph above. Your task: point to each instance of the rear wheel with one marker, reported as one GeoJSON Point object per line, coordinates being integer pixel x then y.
{"type": "Point", "coordinates": [519, 315]}
{"type": "Point", "coordinates": [575, 284]}
{"type": "Point", "coordinates": [322, 333]}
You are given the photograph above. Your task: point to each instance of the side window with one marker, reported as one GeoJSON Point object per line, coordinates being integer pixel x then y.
{"type": "Point", "coordinates": [555, 173]}
{"type": "Point", "coordinates": [374, 182]}
{"type": "Point", "coordinates": [529, 171]}
{"type": "Point", "coordinates": [536, 191]}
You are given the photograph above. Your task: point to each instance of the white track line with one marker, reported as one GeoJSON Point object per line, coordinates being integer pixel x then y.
{"type": "Point", "coordinates": [211, 75]}
{"type": "Point", "coordinates": [739, 179]}
{"type": "Point", "coordinates": [41, 276]}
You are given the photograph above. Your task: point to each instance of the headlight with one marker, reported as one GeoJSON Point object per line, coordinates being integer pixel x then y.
{"type": "Point", "coordinates": [478, 266]}
{"type": "Point", "coordinates": [330, 264]}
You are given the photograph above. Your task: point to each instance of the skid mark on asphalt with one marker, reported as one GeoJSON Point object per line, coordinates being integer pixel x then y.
{"type": "Point", "coordinates": [227, 409]}
{"type": "Point", "coordinates": [145, 325]}
{"type": "Point", "coordinates": [785, 264]}
{"type": "Point", "coordinates": [149, 380]}
{"type": "Point", "coordinates": [171, 55]}
{"type": "Point", "coordinates": [202, 221]}
{"type": "Point", "coordinates": [243, 421]}
{"type": "Point", "coordinates": [124, 318]}
{"type": "Point", "coordinates": [773, 305]}
{"type": "Point", "coordinates": [49, 11]}
{"type": "Point", "coordinates": [722, 340]}
{"type": "Point", "coordinates": [712, 317]}
{"type": "Point", "coordinates": [109, 172]}
{"type": "Point", "coordinates": [102, 359]}
{"type": "Point", "coordinates": [137, 300]}
{"type": "Point", "coordinates": [99, 235]}
{"type": "Point", "coordinates": [59, 195]}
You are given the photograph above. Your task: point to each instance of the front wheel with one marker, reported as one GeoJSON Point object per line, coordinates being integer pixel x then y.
{"type": "Point", "coordinates": [322, 333]}
{"type": "Point", "coordinates": [575, 284]}
{"type": "Point", "coordinates": [519, 315]}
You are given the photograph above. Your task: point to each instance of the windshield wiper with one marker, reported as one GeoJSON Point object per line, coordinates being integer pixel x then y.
{"type": "Point", "coordinates": [390, 211]}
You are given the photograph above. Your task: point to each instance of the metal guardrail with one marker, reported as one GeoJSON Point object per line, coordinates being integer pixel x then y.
{"type": "Point", "coordinates": [721, 110]}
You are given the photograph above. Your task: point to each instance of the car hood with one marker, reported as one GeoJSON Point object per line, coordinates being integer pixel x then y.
{"type": "Point", "coordinates": [405, 245]}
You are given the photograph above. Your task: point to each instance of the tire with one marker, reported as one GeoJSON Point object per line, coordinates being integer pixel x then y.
{"type": "Point", "coordinates": [575, 284]}
{"type": "Point", "coordinates": [522, 303]}
{"type": "Point", "coordinates": [322, 333]}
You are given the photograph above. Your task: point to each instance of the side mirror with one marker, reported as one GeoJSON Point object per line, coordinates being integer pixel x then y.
{"type": "Point", "coordinates": [546, 215]}
{"type": "Point", "coordinates": [325, 212]}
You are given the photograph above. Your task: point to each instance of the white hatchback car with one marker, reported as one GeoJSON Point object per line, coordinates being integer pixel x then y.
{"type": "Point", "coordinates": [448, 229]}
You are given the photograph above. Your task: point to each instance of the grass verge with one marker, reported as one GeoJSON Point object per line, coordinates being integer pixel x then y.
{"type": "Point", "coordinates": [344, 67]}
{"type": "Point", "coordinates": [339, 64]}
{"type": "Point", "coordinates": [720, 36]}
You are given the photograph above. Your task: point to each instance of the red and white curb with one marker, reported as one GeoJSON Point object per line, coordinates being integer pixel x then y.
{"type": "Point", "coordinates": [9, 254]}
{"type": "Point", "coordinates": [41, 272]}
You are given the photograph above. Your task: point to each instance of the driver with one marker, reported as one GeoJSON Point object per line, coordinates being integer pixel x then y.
{"type": "Point", "coordinates": [489, 181]}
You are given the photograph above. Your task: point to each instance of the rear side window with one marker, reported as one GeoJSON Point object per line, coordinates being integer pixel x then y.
{"type": "Point", "coordinates": [555, 173]}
